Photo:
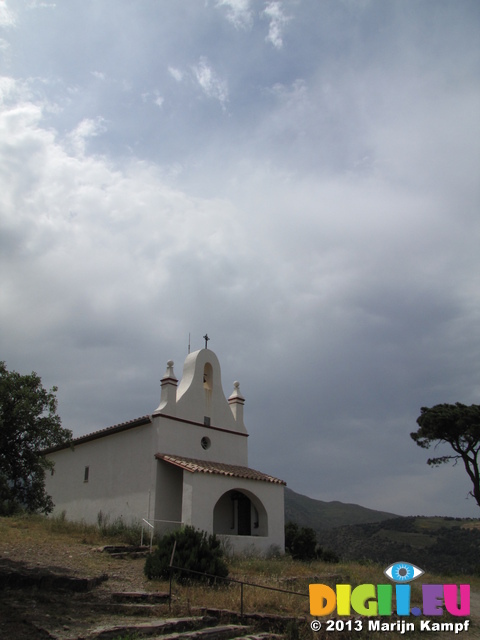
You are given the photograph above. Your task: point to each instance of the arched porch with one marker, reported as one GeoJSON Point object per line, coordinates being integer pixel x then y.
{"type": "Point", "coordinates": [240, 513]}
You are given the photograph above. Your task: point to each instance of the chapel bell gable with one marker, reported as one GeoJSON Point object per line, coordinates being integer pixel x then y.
{"type": "Point", "coordinates": [199, 397]}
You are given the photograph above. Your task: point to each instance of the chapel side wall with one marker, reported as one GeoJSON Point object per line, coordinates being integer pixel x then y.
{"type": "Point", "coordinates": [202, 491]}
{"type": "Point", "coordinates": [120, 477]}
{"type": "Point", "coordinates": [185, 439]}
{"type": "Point", "coordinates": [168, 497]}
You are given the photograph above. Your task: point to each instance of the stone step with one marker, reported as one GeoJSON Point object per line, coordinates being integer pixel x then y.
{"type": "Point", "coordinates": [218, 632]}
{"type": "Point", "coordinates": [156, 628]}
{"type": "Point", "coordinates": [24, 577]}
{"type": "Point", "coordinates": [127, 609]}
{"type": "Point", "coordinates": [124, 548]}
{"type": "Point", "coordinates": [133, 555]}
{"type": "Point", "coordinates": [262, 621]}
{"type": "Point", "coordinates": [262, 635]}
{"type": "Point", "coordinates": [150, 597]}
{"type": "Point", "coordinates": [122, 551]}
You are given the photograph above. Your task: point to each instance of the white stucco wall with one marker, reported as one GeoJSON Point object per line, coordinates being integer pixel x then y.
{"type": "Point", "coordinates": [122, 472]}
{"type": "Point", "coordinates": [201, 493]}
{"type": "Point", "coordinates": [168, 498]}
{"type": "Point", "coordinates": [185, 439]}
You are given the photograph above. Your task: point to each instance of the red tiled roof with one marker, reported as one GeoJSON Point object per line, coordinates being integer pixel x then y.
{"type": "Point", "coordinates": [205, 466]}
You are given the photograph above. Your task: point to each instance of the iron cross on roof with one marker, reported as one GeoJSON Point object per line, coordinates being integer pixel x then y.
{"type": "Point", "coordinates": [206, 338]}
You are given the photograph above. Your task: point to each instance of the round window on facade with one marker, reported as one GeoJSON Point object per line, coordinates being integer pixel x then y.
{"type": "Point", "coordinates": [205, 442]}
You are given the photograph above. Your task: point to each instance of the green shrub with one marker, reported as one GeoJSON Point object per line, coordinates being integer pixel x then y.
{"type": "Point", "coordinates": [300, 542]}
{"type": "Point", "coordinates": [327, 555]}
{"type": "Point", "coordinates": [195, 550]}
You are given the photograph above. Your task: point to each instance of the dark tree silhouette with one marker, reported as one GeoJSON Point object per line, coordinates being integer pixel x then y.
{"type": "Point", "coordinates": [459, 426]}
{"type": "Point", "coordinates": [28, 424]}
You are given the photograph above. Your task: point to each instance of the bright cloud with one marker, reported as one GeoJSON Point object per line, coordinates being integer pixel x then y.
{"type": "Point", "coordinates": [87, 128]}
{"type": "Point", "coordinates": [238, 12]}
{"type": "Point", "coordinates": [278, 20]}
{"type": "Point", "coordinates": [211, 84]}
{"type": "Point", "coordinates": [37, 4]}
{"type": "Point", "coordinates": [7, 16]}
{"type": "Point", "coordinates": [175, 73]}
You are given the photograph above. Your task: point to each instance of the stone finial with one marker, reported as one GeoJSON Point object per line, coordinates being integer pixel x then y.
{"type": "Point", "coordinates": [236, 402]}
{"type": "Point", "coordinates": [237, 394]}
{"type": "Point", "coordinates": [168, 386]}
{"type": "Point", "coordinates": [169, 374]}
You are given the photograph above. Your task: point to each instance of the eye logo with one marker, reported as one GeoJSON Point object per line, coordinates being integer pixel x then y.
{"type": "Point", "coordinates": [403, 572]}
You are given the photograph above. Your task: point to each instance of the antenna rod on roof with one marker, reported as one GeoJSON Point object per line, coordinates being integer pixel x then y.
{"type": "Point", "coordinates": [189, 343]}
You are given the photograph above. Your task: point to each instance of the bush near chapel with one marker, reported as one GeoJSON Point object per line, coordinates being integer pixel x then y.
{"type": "Point", "coordinates": [195, 550]}
{"type": "Point", "coordinates": [301, 544]}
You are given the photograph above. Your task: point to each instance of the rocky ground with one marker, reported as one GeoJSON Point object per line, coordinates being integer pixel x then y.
{"type": "Point", "coordinates": [54, 588]}
{"type": "Point", "coordinates": [61, 588]}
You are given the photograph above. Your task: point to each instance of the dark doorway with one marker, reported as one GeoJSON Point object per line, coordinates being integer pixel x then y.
{"type": "Point", "coordinates": [244, 515]}
{"type": "Point", "coordinates": [240, 514]}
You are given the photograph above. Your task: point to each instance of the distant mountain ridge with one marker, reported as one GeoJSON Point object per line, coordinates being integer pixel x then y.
{"type": "Point", "coordinates": [355, 533]}
{"type": "Point", "coordinates": [308, 512]}
{"type": "Point", "coordinates": [438, 544]}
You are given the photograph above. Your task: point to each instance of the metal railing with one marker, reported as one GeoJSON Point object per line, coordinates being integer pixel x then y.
{"type": "Point", "coordinates": [228, 580]}
{"type": "Point", "coordinates": [152, 528]}
{"type": "Point", "coordinates": [145, 522]}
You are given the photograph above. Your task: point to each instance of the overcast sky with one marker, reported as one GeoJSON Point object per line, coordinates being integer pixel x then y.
{"type": "Point", "coordinates": [298, 178]}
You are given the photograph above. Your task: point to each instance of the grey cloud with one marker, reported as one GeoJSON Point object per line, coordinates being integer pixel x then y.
{"type": "Point", "coordinates": [323, 229]}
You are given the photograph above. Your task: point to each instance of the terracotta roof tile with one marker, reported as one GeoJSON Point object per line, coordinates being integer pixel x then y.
{"type": "Point", "coordinates": [219, 468]}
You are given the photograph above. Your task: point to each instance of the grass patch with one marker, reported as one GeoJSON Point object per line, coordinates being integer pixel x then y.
{"type": "Point", "coordinates": [292, 575]}
{"type": "Point", "coordinates": [58, 526]}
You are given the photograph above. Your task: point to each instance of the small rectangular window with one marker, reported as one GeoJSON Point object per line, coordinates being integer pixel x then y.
{"type": "Point", "coordinates": [206, 421]}
{"type": "Point", "coordinates": [86, 474]}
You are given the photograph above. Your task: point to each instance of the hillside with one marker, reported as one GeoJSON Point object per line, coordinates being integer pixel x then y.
{"type": "Point", "coordinates": [354, 533]}
{"type": "Point", "coordinates": [320, 515]}
{"type": "Point", "coordinates": [441, 545]}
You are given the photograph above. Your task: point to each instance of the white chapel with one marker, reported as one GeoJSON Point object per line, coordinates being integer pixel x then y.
{"type": "Point", "coordinates": [185, 464]}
